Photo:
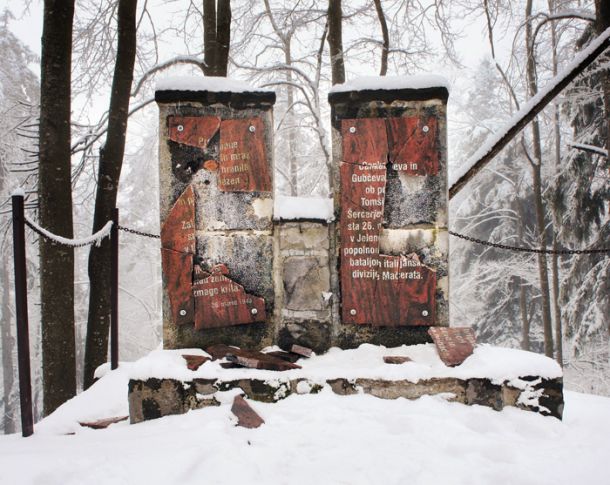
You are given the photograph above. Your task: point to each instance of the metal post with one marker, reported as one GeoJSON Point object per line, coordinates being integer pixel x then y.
{"type": "Point", "coordinates": [21, 311]}
{"type": "Point", "coordinates": [114, 291]}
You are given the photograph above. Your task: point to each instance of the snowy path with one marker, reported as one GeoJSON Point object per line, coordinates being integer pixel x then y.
{"type": "Point", "coordinates": [326, 439]}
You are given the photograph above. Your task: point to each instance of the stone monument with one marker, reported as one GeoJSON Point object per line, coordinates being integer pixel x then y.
{"type": "Point", "coordinates": [375, 272]}
{"type": "Point", "coordinates": [216, 180]}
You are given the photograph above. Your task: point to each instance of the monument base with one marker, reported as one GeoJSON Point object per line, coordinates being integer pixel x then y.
{"type": "Point", "coordinates": [161, 384]}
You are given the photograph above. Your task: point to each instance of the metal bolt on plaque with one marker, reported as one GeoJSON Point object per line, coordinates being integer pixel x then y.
{"type": "Point", "coordinates": [352, 311]}
{"type": "Point", "coordinates": [180, 128]}
{"type": "Point", "coordinates": [352, 129]}
{"type": "Point", "coordinates": [254, 311]}
{"type": "Point", "coordinates": [425, 129]}
{"type": "Point", "coordinates": [252, 128]}
{"type": "Point", "coordinates": [425, 313]}
{"type": "Point", "coordinates": [182, 312]}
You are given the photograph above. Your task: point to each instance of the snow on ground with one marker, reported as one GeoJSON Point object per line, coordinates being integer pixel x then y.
{"type": "Point", "coordinates": [328, 439]}
{"type": "Point", "coordinates": [313, 439]}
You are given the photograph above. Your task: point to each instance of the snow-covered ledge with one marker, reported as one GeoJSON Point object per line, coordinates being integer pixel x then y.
{"type": "Point", "coordinates": [219, 89]}
{"type": "Point", "coordinates": [287, 208]}
{"type": "Point", "coordinates": [161, 384]}
{"type": "Point", "coordinates": [416, 87]}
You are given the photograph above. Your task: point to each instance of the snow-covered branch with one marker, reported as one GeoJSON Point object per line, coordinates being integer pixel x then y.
{"type": "Point", "coordinates": [460, 177]}
{"type": "Point", "coordinates": [589, 148]}
{"type": "Point", "coordinates": [194, 60]}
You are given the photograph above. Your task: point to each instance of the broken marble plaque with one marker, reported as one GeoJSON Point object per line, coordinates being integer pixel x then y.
{"type": "Point", "coordinates": [453, 344]}
{"type": "Point", "coordinates": [178, 230]}
{"type": "Point", "coordinates": [376, 289]}
{"type": "Point", "coordinates": [243, 163]}
{"type": "Point", "coordinates": [177, 251]}
{"type": "Point", "coordinates": [194, 131]}
{"type": "Point", "coordinates": [221, 302]}
{"type": "Point", "coordinates": [413, 147]}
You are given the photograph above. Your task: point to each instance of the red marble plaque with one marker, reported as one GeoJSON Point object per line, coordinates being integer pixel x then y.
{"type": "Point", "coordinates": [364, 140]}
{"type": "Point", "coordinates": [220, 302]}
{"type": "Point", "coordinates": [413, 148]}
{"type": "Point", "coordinates": [243, 162]}
{"type": "Point", "coordinates": [195, 131]}
{"type": "Point", "coordinates": [376, 289]}
{"type": "Point", "coordinates": [178, 278]}
{"type": "Point", "coordinates": [246, 416]}
{"type": "Point", "coordinates": [178, 231]}
{"type": "Point", "coordinates": [453, 345]}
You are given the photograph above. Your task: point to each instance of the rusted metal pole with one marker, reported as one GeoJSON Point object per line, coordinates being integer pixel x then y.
{"type": "Point", "coordinates": [114, 290]}
{"type": "Point", "coordinates": [21, 312]}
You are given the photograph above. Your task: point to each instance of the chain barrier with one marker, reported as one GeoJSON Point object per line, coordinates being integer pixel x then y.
{"type": "Point", "coordinates": [74, 243]}
{"type": "Point", "coordinates": [139, 233]}
{"type": "Point", "coordinates": [105, 231]}
{"type": "Point", "coordinates": [530, 250]}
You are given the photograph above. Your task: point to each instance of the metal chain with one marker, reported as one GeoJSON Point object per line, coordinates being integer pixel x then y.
{"type": "Point", "coordinates": [530, 250]}
{"type": "Point", "coordinates": [47, 238]}
{"type": "Point", "coordinates": [455, 234]}
{"type": "Point", "coordinates": [139, 233]}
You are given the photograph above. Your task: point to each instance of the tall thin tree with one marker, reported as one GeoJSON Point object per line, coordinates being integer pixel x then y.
{"type": "Point", "coordinates": [536, 166]}
{"type": "Point", "coordinates": [385, 47]}
{"type": "Point", "coordinates": [109, 173]}
{"type": "Point", "coordinates": [216, 36]}
{"type": "Point", "coordinates": [55, 206]}
{"type": "Point", "coordinates": [335, 41]}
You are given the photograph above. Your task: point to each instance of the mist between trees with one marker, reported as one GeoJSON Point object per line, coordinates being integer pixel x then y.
{"type": "Point", "coordinates": [548, 188]}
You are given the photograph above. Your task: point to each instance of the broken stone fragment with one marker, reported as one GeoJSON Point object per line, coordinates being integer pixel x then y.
{"type": "Point", "coordinates": [193, 362]}
{"type": "Point", "coordinates": [246, 416]}
{"type": "Point", "coordinates": [396, 359]}
{"type": "Point", "coordinates": [287, 356]}
{"type": "Point", "coordinates": [454, 345]}
{"type": "Point", "coordinates": [300, 350]}
{"type": "Point", "coordinates": [102, 423]}
{"type": "Point", "coordinates": [250, 358]}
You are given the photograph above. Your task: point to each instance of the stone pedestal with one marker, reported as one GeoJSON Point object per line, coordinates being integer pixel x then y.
{"type": "Point", "coordinates": [390, 189]}
{"type": "Point", "coordinates": [216, 201]}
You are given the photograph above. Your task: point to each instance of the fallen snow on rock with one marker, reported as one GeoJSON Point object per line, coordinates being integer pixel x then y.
{"type": "Point", "coordinates": [373, 83]}
{"type": "Point", "coordinates": [495, 363]}
{"type": "Point", "coordinates": [208, 83]}
{"type": "Point", "coordinates": [323, 438]}
{"type": "Point", "coordinates": [292, 208]}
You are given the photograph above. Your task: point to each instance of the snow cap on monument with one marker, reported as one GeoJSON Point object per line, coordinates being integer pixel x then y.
{"type": "Point", "coordinates": [177, 88]}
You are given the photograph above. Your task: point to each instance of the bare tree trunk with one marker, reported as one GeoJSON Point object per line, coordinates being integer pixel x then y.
{"type": "Point", "coordinates": [216, 36]}
{"type": "Point", "coordinates": [525, 319]}
{"type": "Point", "coordinates": [110, 164]}
{"type": "Point", "coordinates": [7, 351]}
{"type": "Point", "coordinates": [209, 37]}
{"type": "Point", "coordinates": [386, 38]}
{"type": "Point", "coordinates": [294, 172]}
{"type": "Point", "coordinates": [555, 256]}
{"type": "Point", "coordinates": [223, 36]}
{"type": "Point", "coordinates": [55, 206]}
{"type": "Point", "coordinates": [525, 322]}
{"type": "Point", "coordinates": [537, 185]}
{"type": "Point", "coordinates": [602, 14]}
{"type": "Point", "coordinates": [335, 41]}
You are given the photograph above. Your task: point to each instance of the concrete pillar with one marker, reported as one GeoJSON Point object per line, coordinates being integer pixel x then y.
{"type": "Point", "coordinates": [216, 204]}
{"type": "Point", "coordinates": [390, 189]}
